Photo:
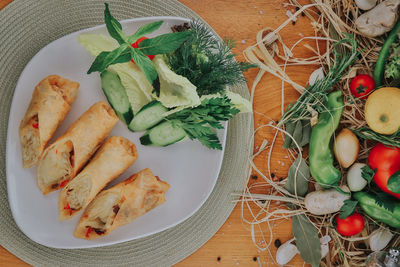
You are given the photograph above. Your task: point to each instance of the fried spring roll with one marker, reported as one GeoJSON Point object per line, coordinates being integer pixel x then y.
{"type": "Point", "coordinates": [49, 105]}
{"type": "Point", "coordinates": [63, 159]}
{"type": "Point", "coordinates": [121, 204]}
{"type": "Point", "coordinates": [111, 160]}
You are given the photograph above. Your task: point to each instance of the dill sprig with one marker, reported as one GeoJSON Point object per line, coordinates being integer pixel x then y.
{"type": "Point", "coordinates": [206, 62]}
{"type": "Point", "coordinates": [389, 140]}
{"type": "Point", "coordinates": [315, 95]}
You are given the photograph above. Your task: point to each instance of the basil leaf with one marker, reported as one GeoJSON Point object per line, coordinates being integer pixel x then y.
{"type": "Point", "coordinates": [307, 241]}
{"type": "Point", "coordinates": [394, 183]}
{"type": "Point", "coordinates": [145, 64]}
{"type": "Point", "coordinates": [107, 58]}
{"type": "Point", "coordinates": [298, 182]}
{"type": "Point", "coordinates": [123, 58]}
{"type": "Point", "coordinates": [142, 31]}
{"type": "Point", "coordinates": [348, 208]}
{"type": "Point", "coordinates": [114, 28]}
{"type": "Point", "coordinates": [163, 44]}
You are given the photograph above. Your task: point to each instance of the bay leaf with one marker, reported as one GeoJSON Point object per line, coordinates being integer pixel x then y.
{"type": "Point", "coordinates": [307, 240]}
{"type": "Point", "coordinates": [298, 182]}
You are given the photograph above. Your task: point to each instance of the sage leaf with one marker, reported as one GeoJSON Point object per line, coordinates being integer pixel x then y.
{"type": "Point", "coordinates": [305, 139]}
{"type": "Point", "coordinates": [307, 240]}
{"type": "Point", "coordinates": [145, 64]}
{"type": "Point", "coordinates": [394, 183]}
{"type": "Point", "coordinates": [297, 134]}
{"type": "Point", "coordinates": [114, 28]}
{"type": "Point", "coordinates": [289, 129]}
{"type": "Point", "coordinates": [107, 58]}
{"type": "Point", "coordinates": [297, 182]}
{"type": "Point", "coordinates": [163, 44]}
{"type": "Point", "coordinates": [142, 31]}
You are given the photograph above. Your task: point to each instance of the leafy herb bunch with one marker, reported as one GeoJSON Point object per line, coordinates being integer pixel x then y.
{"type": "Point", "coordinates": [206, 62]}
{"type": "Point", "coordinates": [315, 95]}
{"type": "Point", "coordinates": [161, 44]}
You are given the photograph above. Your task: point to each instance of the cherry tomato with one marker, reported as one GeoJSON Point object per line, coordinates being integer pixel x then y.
{"type": "Point", "coordinates": [352, 225]}
{"type": "Point", "coordinates": [136, 45]}
{"type": "Point", "coordinates": [362, 85]}
{"type": "Point", "coordinates": [386, 161]}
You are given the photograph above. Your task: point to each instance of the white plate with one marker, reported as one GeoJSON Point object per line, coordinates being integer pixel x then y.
{"type": "Point", "coordinates": [190, 168]}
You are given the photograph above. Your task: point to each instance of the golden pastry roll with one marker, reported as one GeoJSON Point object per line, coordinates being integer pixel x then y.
{"type": "Point", "coordinates": [50, 103]}
{"type": "Point", "coordinates": [112, 159]}
{"type": "Point", "coordinates": [121, 204]}
{"type": "Point", "coordinates": [63, 159]}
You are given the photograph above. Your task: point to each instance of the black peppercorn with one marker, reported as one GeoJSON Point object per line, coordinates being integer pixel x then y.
{"type": "Point", "coordinates": [277, 243]}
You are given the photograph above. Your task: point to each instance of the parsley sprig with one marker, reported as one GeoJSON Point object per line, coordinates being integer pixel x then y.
{"type": "Point", "coordinates": [200, 122]}
{"type": "Point", "coordinates": [162, 44]}
{"type": "Point", "coordinates": [348, 208]}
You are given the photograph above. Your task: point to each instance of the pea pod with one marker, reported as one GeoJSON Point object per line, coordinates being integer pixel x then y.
{"type": "Point", "coordinates": [370, 206]}
{"type": "Point", "coordinates": [320, 151]}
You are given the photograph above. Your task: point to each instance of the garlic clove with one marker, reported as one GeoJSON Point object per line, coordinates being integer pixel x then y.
{"type": "Point", "coordinates": [286, 253]}
{"type": "Point", "coordinates": [346, 148]}
{"type": "Point", "coordinates": [324, 250]}
{"type": "Point", "coordinates": [325, 239]}
{"type": "Point", "coordinates": [365, 4]}
{"type": "Point", "coordinates": [379, 239]}
{"type": "Point", "coordinates": [316, 75]}
{"type": "Point", "coordinates": [355, 181]}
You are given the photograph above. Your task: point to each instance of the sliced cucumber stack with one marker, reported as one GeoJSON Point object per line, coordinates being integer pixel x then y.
{"type": "Point", "coordinates": [116, 95]}
{"type": "Point", "coordinates": [148, 116]}
{"type": "Point", "coordinates": [164, 134]}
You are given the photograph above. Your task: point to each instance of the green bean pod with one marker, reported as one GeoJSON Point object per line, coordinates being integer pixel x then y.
{"type": "Point", "coordinates": [320, 151]}
{"type": "Point", "coordinates": [369, 205]}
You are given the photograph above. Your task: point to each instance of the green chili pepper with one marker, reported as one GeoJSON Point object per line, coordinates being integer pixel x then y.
{"type": "Point", "coordinates": [385, 50]}
{"type": "Point", "coordinates": [320, 151]}
{"type": "Point", "coordinates": [369, 204]}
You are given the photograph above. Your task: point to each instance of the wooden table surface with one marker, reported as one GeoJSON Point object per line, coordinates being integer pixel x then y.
{"type": "Point", "coordinates": [241, 20]}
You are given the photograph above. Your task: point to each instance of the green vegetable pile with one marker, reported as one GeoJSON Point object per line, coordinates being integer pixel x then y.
{"type": "Point", "coordinates": [183, 89]}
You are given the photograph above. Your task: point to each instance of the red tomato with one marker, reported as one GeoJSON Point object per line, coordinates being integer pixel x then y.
{"type": "Point", "coordinates": [386, 161]}
{"type": "Point", "coordinates": [362, 85]}
{"type": "Point", "coordinates": [352, 225]}
{"type": "Point", "coordinates": [136, 45]}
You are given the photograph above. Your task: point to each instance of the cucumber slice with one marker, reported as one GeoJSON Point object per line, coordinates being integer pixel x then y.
{"type": "Point", "coordinates": [164, 134]}
{"type": "Point", "coordinates": [116, 95]}
{"type": "Point", "coordinates": [148, 116]}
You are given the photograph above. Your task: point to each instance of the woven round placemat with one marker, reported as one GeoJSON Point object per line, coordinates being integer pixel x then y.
{"type": "Point", "coordinates": [28, 25]}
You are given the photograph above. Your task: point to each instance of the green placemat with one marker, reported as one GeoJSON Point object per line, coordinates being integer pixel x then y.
{"type": "Point", "coordinates": [28, 25]}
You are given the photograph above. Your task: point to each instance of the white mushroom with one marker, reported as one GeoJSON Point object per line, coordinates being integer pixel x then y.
{"type": "Point", "coordinates": [378, 20]}
{"type": "Point", "coordinates": [325, 201]}
{"type": "Point", "coordinates": [324, 245]}
{"type": "Point", "coordinates": [365, 4]}
{"type": "Point", "coordinates": [286, 252]}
